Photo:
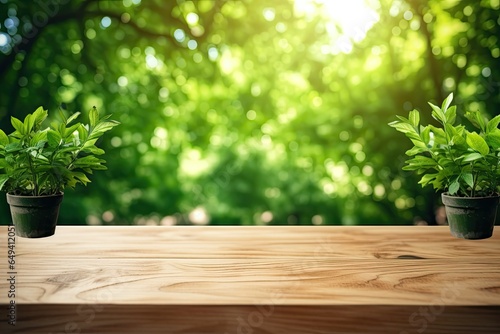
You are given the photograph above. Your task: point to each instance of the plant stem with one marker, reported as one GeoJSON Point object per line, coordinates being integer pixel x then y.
{"type": "Point", "coordinates": [33, 173]}
{"type": "Point", "coordinates": [474, 183]}
{"type": "Point", "coordinates": [80, 148]}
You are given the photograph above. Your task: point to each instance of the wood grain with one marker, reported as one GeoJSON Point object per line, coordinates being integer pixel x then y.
{"type": "Point", "coordinates": [243, 282]}
{"type": "Point", "coordinates": [328, 279]}
{"type": "Point", "coordinates": [198, 242]}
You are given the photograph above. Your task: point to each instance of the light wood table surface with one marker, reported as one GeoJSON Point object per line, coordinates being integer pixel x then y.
{"type": "Point", "coordinates": [248, 280]}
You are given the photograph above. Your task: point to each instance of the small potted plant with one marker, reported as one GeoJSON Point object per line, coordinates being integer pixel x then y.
{"type": "Point", "coordinates": [463, 164]}
{"type": "Point", "coordinates": [37, 163]}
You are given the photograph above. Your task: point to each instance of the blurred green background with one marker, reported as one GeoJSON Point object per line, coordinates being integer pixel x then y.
{"type": "Point", "coordinates": [253, 111]}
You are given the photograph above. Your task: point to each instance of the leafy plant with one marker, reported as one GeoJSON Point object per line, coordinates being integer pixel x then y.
{"type": "Point", "coordinates": [453, 159]}
{"type": "Point", "coordinates": [36, 161]}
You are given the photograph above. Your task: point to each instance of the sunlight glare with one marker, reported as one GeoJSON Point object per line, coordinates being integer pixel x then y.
{"type": "Point", "coordinates": [347, 21]}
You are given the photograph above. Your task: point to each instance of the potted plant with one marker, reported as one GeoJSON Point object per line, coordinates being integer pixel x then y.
{"type": "Point", "coordinates": [37, 163]}
{"type": "Point", "coordinates": [462, 163]}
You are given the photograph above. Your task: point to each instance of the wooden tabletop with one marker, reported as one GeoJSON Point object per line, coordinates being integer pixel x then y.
{"type": "Point", "coordinates": [193, 279]}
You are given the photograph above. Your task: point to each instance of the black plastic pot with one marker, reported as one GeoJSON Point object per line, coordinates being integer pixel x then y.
{"type": "Point", "coordinates": [471, 217]}
{"type": "Point", "coordinates": [35, 216]}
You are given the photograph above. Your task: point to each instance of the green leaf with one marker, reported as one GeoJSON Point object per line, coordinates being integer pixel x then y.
{"type": "Point", "coordinates": [414, 118]}
{"type": "Point", "coordinates": [477, 143]}
{"type": "Point", "coordinates": [411, 167]}
{"type": "Point", "coordinates": [61, 129]}
{"type": "Point", "coordinates": [83, 133]}
{"type": "Point", "coordinates": [63, 117]}
{"type": "Point", "coordinates": [3, 179]}
{"type": "Point", "coordinates": [439, 133]}
{"type": "Point", "coordinates": [93, 116]}
{"type": "Point", "coordinates": [425, 134]}
{"type": "Point", "coordinates": [38, 156]}
{"type": "Point", "coordinates": [102, 127]}
{"type": "Point", "coordinates": [17, 124]}
{"type": "Point", "coordinates": [29, 121]}
{"type": "Point", "coordinates": [437, 113]}
{"type": "Point", "coordinates": [402, 127]}
{"type": "Point", "coordinates": [476, 119]}
{"type": "Point", "coordinates": [427, 178]}
{"type": "Point", "coordinates": [13, 147]}
{"type": "Point", "coordinates": [89, 143]}
{"type": "Point", "coordinates": [107, 125]}
{"type": "Point", "coordinates": [4, 139]}
{"type": "Point", "coordinates": [403, 119]}
{"type": "Point", "coordinates": [88, 161]}
{"type": "Point", "coordinates": [73, 117]}
{"type": "Point", "coordinates": [447, 102]}
{"type": "Point", "coordinates": [39, 116]}
{"type": "Point", "coordinates": [458, 140]}
{"type": "Point", "coordinates": [69, 131]}
{"type": "Point", "coordinates": [472, 157]}
{"type": "Point", "coordinates": [493, 139]}
{"type": "Point", "coordinates": [415, 150]}
{"type": "Point", "coordinates": [454, 187]}
{"type": "Point", "coordinates": [39, 137]}
{"type": "Point", "coordinates": [418, 142]}
{"type": "Point", "coordinates": [70, 148]}
{"type": "Point", "coordinates": [469, 179]}
{"type": "Point", "coordinates": [450, 130]}
{"type": "Point", "coordinates": [445, 162]}
{"type": "Point", "coordinates": [421, 162]}
{"type": "Point", "coordinates": [393, 123]}
{"type": "Point", "coordinates": [40, 142]}
{"type": "Point", "coordinates": [451, 115]}
{"type": "Point", "coordinates": [493, 124]}
{"type": "Point", "coordinates": [81, 177]}
{"type": "Point", "coordinates": [54, 138]}
{"type": "Point", "coordinates": [93, 150]}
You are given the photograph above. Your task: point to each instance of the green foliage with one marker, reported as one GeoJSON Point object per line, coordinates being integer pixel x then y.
{"type": "Point", "coordinates": [452, 158]}
{"type": "Point", "coordinates": [202, 85]}
{"type": "Point", "coordinates": [36, 161]}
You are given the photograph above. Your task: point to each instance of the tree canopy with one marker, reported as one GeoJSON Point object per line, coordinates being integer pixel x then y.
{"type": "Point", "coordinates": [249, 111]}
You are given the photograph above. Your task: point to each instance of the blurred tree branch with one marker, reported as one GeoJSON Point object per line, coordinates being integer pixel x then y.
{"type": "Point", "coordinates": [25, 47]}
{"type": "Point", "coordinates": [434, 70]}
